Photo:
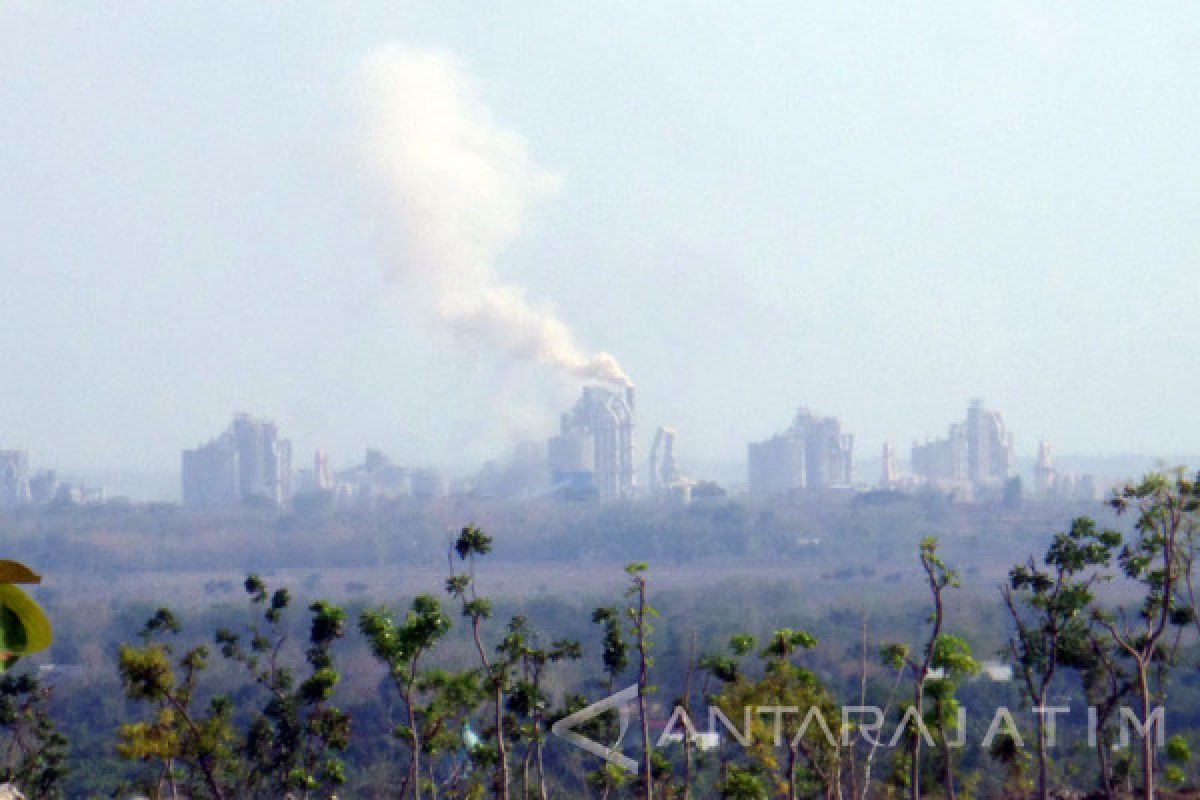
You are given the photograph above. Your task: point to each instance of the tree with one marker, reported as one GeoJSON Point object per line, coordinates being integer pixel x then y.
{"type": "Point", "coordinates": [527, 699]}
{"type": "Point", "coordinates": [1047, 604]}
{"type": "Point", "coordinates": [641, 615]}
{"type": "Point", "coordinates": [295, 741]}
{"type": "Point", "coordinates": [812, 756]}
{"type": "Point", "coordinates": [178, 732]}
{"type": "Point", "coordinates": [895, 658]}
{"type": "Point", "coordinates": [471, 544]}
{"type": "Point", "coordinates": [35, 753]}
{"type": "Point", "coordinates": [292, 744]}
{"type": "Point", "coordinates": [401, 646]}
{"type": "Point", "coordinates": [939, 577]}
{"type": "Point", "coordinates": [952, 661]}
{"type": "Point", "coordinates": [615, 658]}
{"type": "Point", "coordinates": [1165, 506]}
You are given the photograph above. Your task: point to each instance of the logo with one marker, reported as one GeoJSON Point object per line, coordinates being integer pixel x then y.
{"type": "Point", "coordinates": [854, 725]}
{"type": "Point", "coordinates": [622, 701]}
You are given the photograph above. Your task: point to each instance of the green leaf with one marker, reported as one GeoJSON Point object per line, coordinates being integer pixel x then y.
{"type": "Point", "coordinates": [13, 638]}
{"type": "Point", "coordinates": [38, 632]}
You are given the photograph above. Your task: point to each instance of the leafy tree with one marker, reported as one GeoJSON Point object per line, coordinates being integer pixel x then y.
{"type": "Point", "coordinates": [939, 578]}
{"type": "Point", "coordinates": [473, 543]}
{"type": "Point", "coordinates": [1106, 683]}
{"type": "Point", "coordinates": [895, 658]}
{"type": "Point", "coordinates": [742, 783]}
{"type": "Point", "coordinates": [295, 741]}
{"type": "Point", "coordinates": [446, 721]}
{"type": "Point", "coordinates": [401, 646]}
{"type": "Point", "coordinates": [641, 615]}
{"type": "Point", "coordinates": [1012, 756]}
{"type": "Point", "coordinates": [35, 753]}
{"type": "Point", "coordinates": [202, 740]}
{"type": "Point", "coordinates": [952, 661]}
{"type": "Point", "coordinates": [290, 745]}
{"type": "Point", "coordinates": [1047, 604]}
{"type": "Point", "coordinates": [528, 700]}
{"type": "Point", "coordinates": [1165, 506]}
{"type": "Point", "coordinates": [813, 757]}
{"type": "Point", "coordinates": [615, 657]}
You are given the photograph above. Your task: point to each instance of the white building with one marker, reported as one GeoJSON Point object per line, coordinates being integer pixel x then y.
{"type": "Point", "coordinates": [593, 451]}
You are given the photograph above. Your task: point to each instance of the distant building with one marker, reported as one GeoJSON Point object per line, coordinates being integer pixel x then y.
{"type": "Point", "coordinates": [248, 461]}
{"type": "Point", "coordinates": [44, 486]}
{"type": "Point", "coordinates": [593, 451]}
{"type": "Point", "coordinates": [322, 473]}
{"type": "Point", "coordinates": [14, 478]}
{"type": "Point", "coordinates": [942, 461]}
{"type": "Point", "coordinates": [211, 475]}
{"type": "Point", "coordinates": [989, 447]}
{"type": "Point", "coordinates": [1050, 482]}
{"type": "Point", "coordinates": [812, 454]}
{"type": "Point", "coordinates": [664, 478]}
{"type": "Point", "coordinates": [889, 478]}
{"type": "Point", "coordinates": [976, 454]}
{"type": "Point", "coordinates": [1044, 473]}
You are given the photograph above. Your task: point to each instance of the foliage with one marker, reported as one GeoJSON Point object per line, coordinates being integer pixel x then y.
{"type": "Point", "coordinates": [292, 743]}
{"type": "Point", "coordinates": [35, 753]}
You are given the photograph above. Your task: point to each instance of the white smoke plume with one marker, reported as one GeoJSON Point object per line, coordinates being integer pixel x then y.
{"type": "Point", "coordinates": [454, 189]}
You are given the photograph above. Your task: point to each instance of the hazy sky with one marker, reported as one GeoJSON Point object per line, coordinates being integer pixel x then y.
{"type": "Point", "coordinates": [875, 210]}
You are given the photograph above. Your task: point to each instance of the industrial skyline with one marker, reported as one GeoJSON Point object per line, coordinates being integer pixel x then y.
{"type": "Point", "coordinates": [595, 454]}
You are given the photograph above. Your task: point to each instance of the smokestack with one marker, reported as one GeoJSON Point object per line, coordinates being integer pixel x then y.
{"type": "Point", "coordinates": [629, 398]}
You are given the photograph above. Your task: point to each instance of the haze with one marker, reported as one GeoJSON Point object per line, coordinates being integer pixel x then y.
{"type": "Point", "coordinates": [876, 212]}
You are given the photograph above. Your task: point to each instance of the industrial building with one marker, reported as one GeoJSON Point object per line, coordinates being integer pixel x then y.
{"type": "Point", "coordinates": [975, 455]}
{"type": "Point", "coordinates": [813, 453]}
{"type": "Point", "coordinates": [18, 487]}
{"type": "Point", "coordinates": [14, 478]}
{"type": "Point", "coordinates": [248, 461]}
{"type": "Point", "coordinates": [665, 480]}
{"type": "Point", "coordinates": [942, 461]}
{"type": "Point", "coordinates": [593, 452]}
{"type": "Point", "coordinates": [1051, 482]}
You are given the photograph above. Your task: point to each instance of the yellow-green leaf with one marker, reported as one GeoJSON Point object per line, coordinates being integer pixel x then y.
{"type": "Point", "coordinates": [38, 632]}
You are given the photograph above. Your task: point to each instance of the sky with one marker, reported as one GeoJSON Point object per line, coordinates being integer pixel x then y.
{"type": "Point", "coordinates": [875, 210]}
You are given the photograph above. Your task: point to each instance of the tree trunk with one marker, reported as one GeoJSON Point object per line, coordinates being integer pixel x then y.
{"type": "Point", "coordinates": [1043, 780]}
{"type": "Point", "coordinates": [915, 767]}
{"type": "Point", "coordinates": [414, 763]}
{"type": "Point", "coordinates": [791, 773]}
{"type": "Point", "coordinates": [1037, 698]}
{"type": "Point", "coordinates": [501, 746]}
{"type": "Point", "coordinates": [643, 685]}
{"type": "Point", "coordinates": [541, 765]}
{"type": "Point", "coordinates": [687, 707]}
{"type": "Point", "coordinates": [1148, 738]}
{"type": "Point", "coordinates": [1102, 745]}
{"type": "Point", "coordinates": [525, 773]}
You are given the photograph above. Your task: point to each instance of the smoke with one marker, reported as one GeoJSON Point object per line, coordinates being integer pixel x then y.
{"type": "Point", "coordinates": [454, 189]}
